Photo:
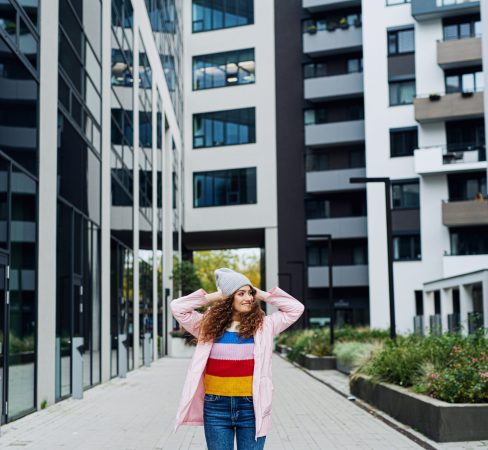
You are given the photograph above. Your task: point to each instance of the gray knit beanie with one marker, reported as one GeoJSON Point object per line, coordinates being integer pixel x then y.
{"type": "Point", "coordinates": [229, 280]}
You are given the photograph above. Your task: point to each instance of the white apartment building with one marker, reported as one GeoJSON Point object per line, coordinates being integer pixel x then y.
{"type": "Point", "coordinates": [229, 128]}
{"type": "Point", "coordinates": [424, 110]}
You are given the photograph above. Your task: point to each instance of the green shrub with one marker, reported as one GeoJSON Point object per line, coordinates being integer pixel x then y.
{"type": "Point", "coordinates": [355, 353]}
{"type": "Point", "coordinates": [319, 343]}
{"type": "Point", "coordinates": [300, 344]}
{"type": "Point", "coordinates": [449, 367]}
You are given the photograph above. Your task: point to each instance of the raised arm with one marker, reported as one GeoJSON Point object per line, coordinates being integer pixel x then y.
{"type": "Point", "coordinates": [289, 308]}
{"type": "Point", "coordinates": [183, 309]}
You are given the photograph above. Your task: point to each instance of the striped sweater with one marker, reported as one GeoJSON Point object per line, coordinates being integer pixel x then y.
{"type": "Point", "coordinates": [230, 365]}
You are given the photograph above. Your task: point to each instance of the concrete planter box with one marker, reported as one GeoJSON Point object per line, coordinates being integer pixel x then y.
{"type": "Point", "coordinates": [438, 420]}
{"type": "Point", "coordinates": [312, 362]}
{"type": "Point", "coordinates": [344, 367]}
{"type": "Point", "coordinates": [282, 349]}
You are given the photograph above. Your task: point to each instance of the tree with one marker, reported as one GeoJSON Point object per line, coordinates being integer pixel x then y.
{"type": "Point", "coordinates": [184, 276]}
{"type": "Point", "coordinates": [207, 261]}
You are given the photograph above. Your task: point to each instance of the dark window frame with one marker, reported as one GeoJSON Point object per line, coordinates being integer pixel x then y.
{"type": "Point", "coordinates": [411, 243]}
{"type": "Point", "coordinates": [250, 9]}
{"type": "Point", "coordinates": [394, 32]}
{"type": "Point", "coordinates": [401, 184]}
{"type": "Point", "coordinates": [398, 131]}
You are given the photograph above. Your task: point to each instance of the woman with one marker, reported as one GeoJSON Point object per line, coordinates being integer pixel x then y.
{"type": "Point", "coordinates": [228, 386]}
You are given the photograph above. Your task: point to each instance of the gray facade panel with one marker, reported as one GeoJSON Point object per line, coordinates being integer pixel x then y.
{"type": "Point", "coordinates": [334, 133]}
{"type": "Point", "coordinates": [336, 41]}
{"type": "Point", "coordinates": [334, 180]}
{"type": "Point", "coordinates": [343, 276]}
{"type": "Point", "coordinates": [348, 85]}
{"type": "Point", "coordinates": [339, 227]}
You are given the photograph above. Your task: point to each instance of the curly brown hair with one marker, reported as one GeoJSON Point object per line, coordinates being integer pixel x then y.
{"type": "Point", "coordinates": [218, 318]}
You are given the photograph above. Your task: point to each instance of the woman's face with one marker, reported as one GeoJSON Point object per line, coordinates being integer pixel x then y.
{"type": "Point", "coordinates": [243, 300]}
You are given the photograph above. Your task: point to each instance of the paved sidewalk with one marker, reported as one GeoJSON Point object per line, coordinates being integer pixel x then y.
{"type": "Point", "coordinates": [137, 414]}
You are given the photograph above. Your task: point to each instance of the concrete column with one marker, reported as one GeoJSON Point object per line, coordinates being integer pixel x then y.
{"type": "Point", "coordinates": [484, 285]}
{"type": "Point", "coordinates": [106, 349]}
{"type": "Point", "coordinates": [429, 310]}
{"type": "Point", "coordinates": [48, 138]}
{"type": "Point", "coordinates": [466, 306]}
{"type": "Point", "coordinates": [137, 149]}
{"type": "Point", "coordinates": [167, 228]}
{"type": "Point", "coordinates": [271, 260]}
{"type": "Point", "coordinates": [446, 307]}
{"type": "Point", "coordinates": [154, 158]}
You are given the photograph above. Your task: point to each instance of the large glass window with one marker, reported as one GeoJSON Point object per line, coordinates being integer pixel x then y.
{"type": "Point", "coordinates": [349, 252]}
{"type": "Point", "coordinates": [232, 127]}
{"type": "Point", "coordinates": [335, 112]}
{"type": "Point", "coordinates": [223, 69]}
{"type": "Point", "coordinates": [455, 28]}
{"type": "Point", "coordinates": [335, 205]}
{"type": "Point", "coordinates": [336, 65]}
{"type": "Point", "coordinates": [402, 92]}
{"type": "Point", "coordinates": [464, 81]}
{"type": "Point", "coordinates": [401, 41]}
{"type": "Point", "coordinates": [403, 141]}
{"type": "Point", "coordinates": [463, 134]}
{"type": "Point", "coordinates": [469, 240]}
{"type": "Point", "coordinates": [405, 194]}
{"type": "Point", "coordinates": [406, 247]}
{"type": "Point", "coordinates": [216, 14]}
{"type": "Point", "coordinates": [224, 187]}
{"type": "Point", "coordinates": [466, 186]}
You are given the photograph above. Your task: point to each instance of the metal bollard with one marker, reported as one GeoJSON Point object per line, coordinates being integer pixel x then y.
{"type": "Point", "coordinates": [147, 349]}
{"type": "Point", "coordinates": [77, 349]}
{"type": "Point", "coordinates": [122, 355]}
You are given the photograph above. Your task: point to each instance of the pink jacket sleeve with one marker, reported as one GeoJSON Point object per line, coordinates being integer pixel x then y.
{"type": "Point", "coordinates": [289, 310]}
{"type": "Point", "coordinates": [183, 310]}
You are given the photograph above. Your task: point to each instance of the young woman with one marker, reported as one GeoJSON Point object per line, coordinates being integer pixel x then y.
{"type": "Point", "coordinates": [228, 387]}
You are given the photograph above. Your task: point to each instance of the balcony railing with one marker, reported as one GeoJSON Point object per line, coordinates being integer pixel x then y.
{"type": "Point", "coordinates": [465, 213]}
{"type": "Point", "coordinates": [418, 325]}
{"type": "Point", "coordinates": [453, 322]}
{"type": "Point", "coordinates": [441, 106]}
{"type": "Point", "coordinates": [453, 53]}
{"type": "Point", "coordinates": [435, 323]}
{"type": "Point", "coordinates": [436, 9]}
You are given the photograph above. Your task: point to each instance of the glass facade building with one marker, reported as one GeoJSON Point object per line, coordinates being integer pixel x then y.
{"type": "Point", "coordinates": [81, 177]}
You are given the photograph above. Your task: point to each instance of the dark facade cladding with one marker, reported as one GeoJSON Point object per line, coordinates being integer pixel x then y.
{"type": "Point", "coordinates": [289, 146]}
{"type": "Point", "coordinates": [335, 209]}
{"type": "Point", "coordinates": [19, 156]}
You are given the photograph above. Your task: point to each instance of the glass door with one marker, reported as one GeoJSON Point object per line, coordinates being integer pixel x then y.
{"type": "Point", "coordinates": [4, 332]}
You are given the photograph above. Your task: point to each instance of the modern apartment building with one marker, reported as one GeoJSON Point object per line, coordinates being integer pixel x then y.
{"type": "Point", "coordinates": [229, 129]}
{"type": "Point", "coordinates": [326, 148]}
{"type": "Point", "coordinates": [90, 155]}
{"type": "Point", "coordinates": [424, 110]}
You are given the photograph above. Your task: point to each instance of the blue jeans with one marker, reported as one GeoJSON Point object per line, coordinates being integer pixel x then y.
{"type": "Point", "coordinates": [225, 417]}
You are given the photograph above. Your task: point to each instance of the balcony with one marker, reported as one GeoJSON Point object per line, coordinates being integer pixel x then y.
{"type": "Point", "coordinates": [328, 42]}
{"type": "Point", "coordinates": [455, 106]}
{"type": "Point", "coordinates": [339, 227]}
{"type": "Point", "coordinates": [343, 276]}
{"type": "Point", "coordinates": [324, 5]}
{"type": "Point", "coordinates": [336, 86]}
{"type": "Point", "coordinates": [442, 159]}
{"type": "Point", "coordinates": [437, 9]}
{"type": "Point", "coordinates": [462, 213]}
{"type": "Point", "coordinates": [334, 180]}
{"type": "Point", "coordinates": [459, 53]}
{"type": "Point", "coordinates": [334, 133]}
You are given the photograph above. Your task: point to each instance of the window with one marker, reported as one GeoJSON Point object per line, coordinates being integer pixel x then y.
{"type": "Point", "coordinates": [402, 92]}
{"type": "Point", "coordinates": [401, 41]}
{"type": "Point", "coordinates": [466, 186]}
{"type": "Point", "coordinates": [224, 187]}
{"type": "Point", "coordinates": [233, 127]}
{"type": "Point", "coordinates": [317, 161]}
{"type": "Point", "coordinates": [216, 14]}
{"type": "Point", "coordinates": [405, 194]}
{"type": "Point", "coordinates": [463, 134]}
{"type": "Point", "coordinates": [317, 256]}
{"type": "Point", "coordinates": [471, 81]}
{"type": "Point", "coordinates": [461, 28]}
{"type": "Point", "coordinates": [403, 141]}
{"type": "Point", "coordinates": [333, 66]}
{"type": "Point", "coordinates": [223, 69]}
{"type": "Point", "coordinates": [406, 247]}
{"type": "Point", "coordinates": [469, 240]}
{"type": "Point", "coordinates": [335, 112]}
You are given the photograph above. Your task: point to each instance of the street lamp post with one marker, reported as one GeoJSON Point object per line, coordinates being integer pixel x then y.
{"type": "Point", "coordinates": [331, 299]}
{"type": "Point", "coordinates": [387, 184]}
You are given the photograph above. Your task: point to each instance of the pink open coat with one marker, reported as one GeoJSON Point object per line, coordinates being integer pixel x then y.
{"type": "Point", "coordinates": [190, 410]}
